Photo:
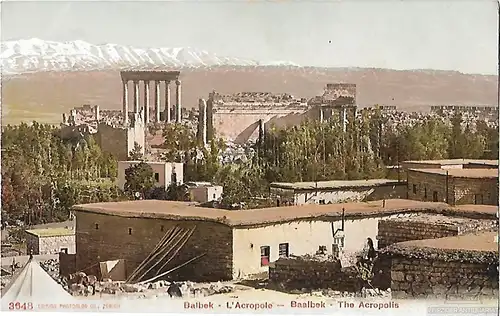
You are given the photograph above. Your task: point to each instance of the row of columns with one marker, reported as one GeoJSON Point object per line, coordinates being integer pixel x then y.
{"type": "Point", "coordinates": [157, 97]}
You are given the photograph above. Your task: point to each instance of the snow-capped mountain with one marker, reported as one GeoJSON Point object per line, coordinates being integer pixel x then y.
{"type": "Point", "coordinates": [38, 55]}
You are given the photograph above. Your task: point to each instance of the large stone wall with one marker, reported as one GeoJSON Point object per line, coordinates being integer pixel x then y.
{"type": "Point", "coordinates": [112, 241]}
{"type": "Point", "coordinates": [443, 274]}
{"type": "Point", "coordinates": [454, 190]}
{"type": "Point", "coordinates": [119, 141]}
{"type": "Point", "coordinates": [428, 227]}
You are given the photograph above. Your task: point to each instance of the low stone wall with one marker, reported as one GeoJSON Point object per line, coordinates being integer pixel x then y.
{"type": "Point", "coordinates": [430, 273]}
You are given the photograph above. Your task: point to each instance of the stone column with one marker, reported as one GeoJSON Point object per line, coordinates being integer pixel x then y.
{"type": "Point", "coordinates": [178, 114]}
{"type": "Point", "coordinates": [136, 96]}
{"type": "Point", "coordinates": [157, 101]}
{"type": "Point", "coordinates": [146, 101]}
{"type": "Point", "coordinates": [125, 101]}
{"type": "Point", "coordinates": [167, 101]}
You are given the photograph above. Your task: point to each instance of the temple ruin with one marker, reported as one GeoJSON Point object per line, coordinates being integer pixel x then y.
{"type": "Point", "coordinates": [146, 77]}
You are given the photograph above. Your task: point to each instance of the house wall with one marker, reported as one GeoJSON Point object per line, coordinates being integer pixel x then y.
{"type": "Point", "coordinates": [119, 141]}
{"type": "Point", "coordinates": [206, 194]}
{"type": "Point", "coordinates": [164, 171]}
{"type": "Point", "coordinates": [50, 245]}
{"type": "Point", "coordinates": [111, 241]}
{"type": "Point", "coordinates": [460, 190]}
{"type": "Point", "coordinates": [303, 237]}
{"type": "Point", "coordinates": [334, 196]}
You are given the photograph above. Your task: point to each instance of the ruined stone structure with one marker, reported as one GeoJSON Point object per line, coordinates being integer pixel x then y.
{"type": "Point", "coordinates": [338, 98]}
{"type": "Point", "coordinates": [242, 116]}
{"type": "Point", "coordinates": [453, 268]}
{"type": "Point", "coordinates": [119, 140]}
{"type": "Point", "coordinates": [146, 77]}
{"type": "Point", "coordinates": [454, 186]}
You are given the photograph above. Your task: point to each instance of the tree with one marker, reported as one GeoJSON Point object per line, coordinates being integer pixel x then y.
{"type": "Point", "coordinates": [136, 153]}
{"type": "Point", "coordinates": [177, 192]}
{"type": "Point", "coordinates": [139, 178]}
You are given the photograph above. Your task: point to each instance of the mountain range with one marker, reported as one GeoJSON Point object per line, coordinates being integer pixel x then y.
{"type": "Point", "coordinates": [41, 79]}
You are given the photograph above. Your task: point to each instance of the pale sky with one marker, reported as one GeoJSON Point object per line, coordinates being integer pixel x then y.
{"type": "Point", "coordinates": [406, 34]}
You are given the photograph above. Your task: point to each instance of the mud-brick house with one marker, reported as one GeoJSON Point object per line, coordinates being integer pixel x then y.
{"type": "Point", "coordinates": [45, 241]}
{"type": "Point", "coordinates": [338, 191]}
{"type": "Point", "coordinates": [454, 186]}
{"type": "Point", "coordinates": [232, 244]}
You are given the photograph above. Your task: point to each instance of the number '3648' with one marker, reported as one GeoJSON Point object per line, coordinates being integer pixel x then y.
{"type": "Point", "coordinates": [20, 306]}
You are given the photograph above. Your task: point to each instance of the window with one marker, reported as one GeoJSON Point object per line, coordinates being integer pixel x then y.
{"type": "Point", "coordinates": [162, 228]}
{"type": "Point", "coordinates": [322, 202]}
{"type": "Point", "coordinates": [174, 177]}
{"type": "Point", "coordinates": [478, 199]}
{"type": "Point", "coordinates": [265, 251]}
{"type": "Point", "coordinates": [214, 196]}
{"type": "Point", "coordinates": [414, 189]}
{"type": "Point", "coordinates": [339, 241]}
{"type": "Point", "coordinates": [284, 250]}
{"type": "Point", "coordinates": [434, 196]}
{"type": "Point", "coordinates": [425, 193]}
{"type": "Point", "coordinates": [157, 177]}
{"type": "Point", "coordinates": [130, 231]}
{"type": "Point", "coordinates": [96, 226]}
{"type": "Point", "coordinates": [65, 250]}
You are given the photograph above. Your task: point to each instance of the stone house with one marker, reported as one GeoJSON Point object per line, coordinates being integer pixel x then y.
{"type": "Point", "coordinates": [454, 186]}
{"type": "Point", "coordinates": [50, 241]}
{"type": "Point", "coordinates": [328, 192]}
{"type": "Point", "coordinates": [246, 241]}
{"type": "Point", "coordinates": [165, 173]}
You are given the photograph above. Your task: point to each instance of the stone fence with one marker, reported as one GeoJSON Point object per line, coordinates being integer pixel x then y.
{"type": "Point", "coordinates": [309, 273]}
{"type": "Point", "coordinates": [431, 273]}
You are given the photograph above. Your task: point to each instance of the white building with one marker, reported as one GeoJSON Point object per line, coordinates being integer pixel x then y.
{"type": "Point", "coordinates": [203, 192]}
{"type": "Point", "coordinates": [165, 173]}
{"type": "Point", "coordinates": [48, 241]}
{"type": "Point", "coordinates": [338, 191]}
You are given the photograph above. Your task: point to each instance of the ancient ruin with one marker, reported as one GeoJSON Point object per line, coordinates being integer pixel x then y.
{"type": "Point", "coordinates": [146, 77]}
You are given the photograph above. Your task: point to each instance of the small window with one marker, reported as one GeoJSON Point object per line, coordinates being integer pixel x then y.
{"type": "Point", "coordinates": [157, 177]}
{"type": "Point", "coordinates": [162, 228]}
{"type": "Point", "coordinates": [284, 250]}
{"type": "Point", "coordinates": [96, 226]}
{"type": "Point", "coordinates": [265, 252]}
{"type": "Point", "coordinates": [174, 177]}
{"type": "Point", "coordinates": [414, 189]}
{"type": "Point", "coordinates": [339, 241]}
{"type": "Point", "coordinates": [214, 196]}
{"type": "Point", "coordinates": [65, 250]}
{"type": "Point", "coordinates": [130, 231]}
{"type": "Point", "coordinates": [322, 202]}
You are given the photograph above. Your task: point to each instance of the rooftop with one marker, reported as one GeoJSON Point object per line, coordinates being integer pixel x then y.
{"type": "Point", "coordinates": [454, 162]}
{"type": "Point", "coordinates": [463, 173]}
{"type": "Point", "coordinates": [474, 242]}
{"type": "Point", "coordinates": [335, 184]}
{"type": "Point", "coordinates": [51, 232]}
{"type": "Point", "coordinates": [188, 211]}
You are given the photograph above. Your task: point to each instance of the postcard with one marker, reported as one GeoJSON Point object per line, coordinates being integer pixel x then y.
{"type": "Point", "coordinates": [250, 157]}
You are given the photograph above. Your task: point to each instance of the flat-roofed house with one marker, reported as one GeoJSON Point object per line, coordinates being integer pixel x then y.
{"type": "Point", "coordinates": [225, 245]}
{"type": "Point", "coordinates": [454, 186]}
{"type": "Point", "coordinates": [338, 191]}
{"type": "Point", "coordinates": [165, 173]}
{"type": "Point", "coordinates": [450, 164]}
{"type": "Point", "coordinates": [47, 241]}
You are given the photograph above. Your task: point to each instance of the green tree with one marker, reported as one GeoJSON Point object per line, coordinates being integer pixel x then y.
{"type": "Point", "coordinates": [136, 153]}
{"type": "Point", "coordinates": [139, 178]}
